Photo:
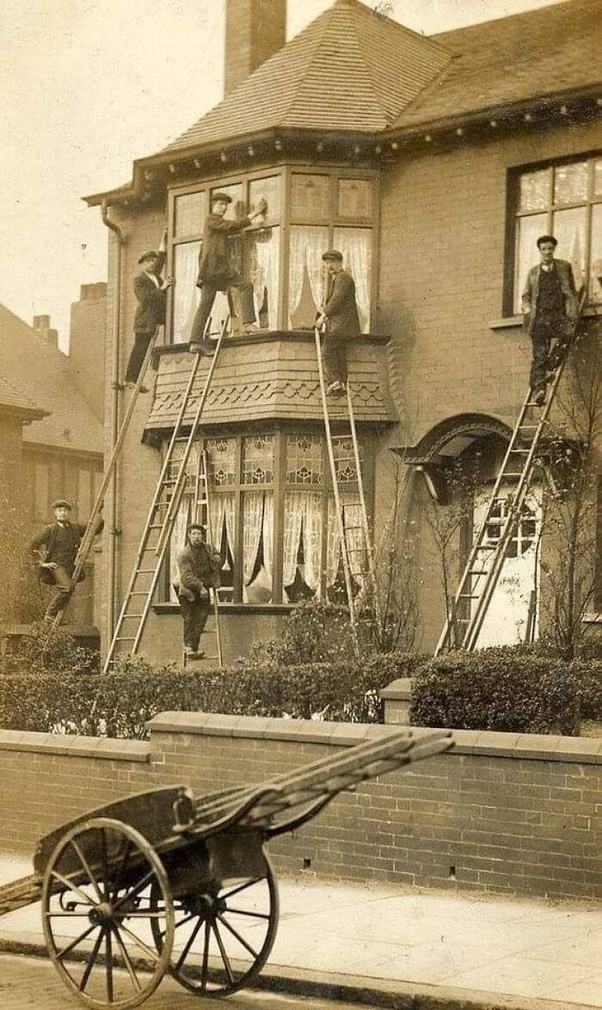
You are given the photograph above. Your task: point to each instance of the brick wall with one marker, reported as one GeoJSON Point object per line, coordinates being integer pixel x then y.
{"type": "Point", "coordinates": [501, 813]}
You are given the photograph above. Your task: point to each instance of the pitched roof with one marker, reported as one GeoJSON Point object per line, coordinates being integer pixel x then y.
{"type": "Point", "coordinates": [40, 373]}
{"type": "Point", "coordinates": [553, 50]}
{"type": "Point", "coordinates": [15, 400]}
{"type": "Point", "coordinates": [350, 69]}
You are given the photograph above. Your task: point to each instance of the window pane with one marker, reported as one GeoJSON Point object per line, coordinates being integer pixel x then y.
{"type": "Point", "coordinates": [237, 208]}
{"type": "Point", "coordinates": [535, 191]}
{"type": "Point", "coordinates": [222, 533]}
{"type": "Point", "coordinates": [258, 459]}
{"type": "Point", "coordinates": [311, 197]}
{"type": "Point", "coordinates": [185, 293]}
{"type": "Point", "coordinates": [190, 213]}
{"type": "Point", "coordinates": [356, 246]}
{"type": "Point", "coordinates": [258, 531]}
{"type": "Point", "coordinates": [270, 190]}
{"type": "Point", "coordinates": [306, 275]}
{"type": "Point", "coordinates": [569, 229]}
{"type": "Point", "coordinates": [263, 259]}
{"type": "Point", "coordinates": [598, 177]}
{"type": "Point", "coordinates": [221, 458]}
{"type": "Point", "coordinates": [344, 459]}
{"type": "Point", "coordinates": [570, 183]}
{"type": "Point", "coordinates": [528, 230]}
{"type": "Point", "coordinates": [304, 459]}
{"type": "Point", "coordinates": [595, 291]}
{"type": "Point", "coordinates": [355, 198]}
{"type": "Point", "coordinates": [302, 544]}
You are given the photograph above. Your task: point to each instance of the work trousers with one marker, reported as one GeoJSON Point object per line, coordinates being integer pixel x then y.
{"type": "Point", "coordinates": [137, 354]}
{"type": "Point", "coordinates": [194, 615]}
{"type": "Point", "coordinates": [545, 330]}
{"type": "Point", "coordinates": [208, 293]}
{"type": "Point", "coordinates": [62, 580]}
{"type": "Point", "coordinates": [334, 358]}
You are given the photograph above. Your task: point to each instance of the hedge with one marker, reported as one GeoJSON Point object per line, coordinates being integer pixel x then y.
{"type": "Point", "coordinates": [120, 703]}
{"type": "Point", "coordinates": [510, 690]}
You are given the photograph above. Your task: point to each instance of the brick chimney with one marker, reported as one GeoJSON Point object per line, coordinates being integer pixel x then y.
{"type": "Point", "coordinates": [255, 30]}
{"type": "Point", "coordinates": [41, 325]}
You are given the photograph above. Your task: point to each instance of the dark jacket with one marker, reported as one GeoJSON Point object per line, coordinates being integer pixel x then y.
{"type": "Point", "coordinates": [215, 262]}
{"type": "Point", "coordinates": [60, 543]}
{"type": "Point", "coordinates": [152, 301]}
{"type": "Point", "coordinates": [340, 307]}
{"type": "Point", "coordinates": [199, 568]}
{"type": "Point", "coordinates": [531, 292]}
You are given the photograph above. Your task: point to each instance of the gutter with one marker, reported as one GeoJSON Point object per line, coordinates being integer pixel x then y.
{"type": "Point", "coordinates": [114, 422]}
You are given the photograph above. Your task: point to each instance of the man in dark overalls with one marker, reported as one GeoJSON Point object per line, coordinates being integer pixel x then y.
{"type": "Point", "coordinates": [56, 549]}
{"type": "Point", "coordinates": [199, 565]}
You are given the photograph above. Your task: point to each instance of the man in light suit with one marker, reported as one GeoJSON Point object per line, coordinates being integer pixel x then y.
{"type": "Point", "coordinates": [549, 302]}
{"type": "Point", "coordinates": [340, 320]}
{"type": "Point", "coordinates": [151, 293]}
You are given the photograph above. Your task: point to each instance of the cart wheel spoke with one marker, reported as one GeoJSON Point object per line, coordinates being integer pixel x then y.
{"type": "Point", "coordinates": [105, 873]}
{"type": "Point", "coordinates": [220, 947]}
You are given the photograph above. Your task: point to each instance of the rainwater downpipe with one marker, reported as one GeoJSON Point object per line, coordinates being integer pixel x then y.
{"type": "Point", "coordinates": [114, 424]}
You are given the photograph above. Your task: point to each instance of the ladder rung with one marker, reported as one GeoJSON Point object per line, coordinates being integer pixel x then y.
{"type": "Point", "coordinates": [146, 571]}
{"type": "Point", "coordinates": [468, 596]}
{"type": "Point", "coordinates": [139, 592]}
{"type": "Point", "coordinates": [513, 474]}
{"type": "Point", "coordinates": [475, 571]}
{"type": "Point", "coordinates": [125, 638]}
{"type": "Point", "coordinates": [130, 617]}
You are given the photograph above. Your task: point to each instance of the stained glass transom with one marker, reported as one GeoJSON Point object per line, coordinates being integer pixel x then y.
{"type": "Point", "coordinates": [344, 460]}
{"type": "Point", "coordinates": [258, 460]}
{"type": "Point", "coordinates": [303, 459]}
{"type": "Point", "coordinates": [221, 455]}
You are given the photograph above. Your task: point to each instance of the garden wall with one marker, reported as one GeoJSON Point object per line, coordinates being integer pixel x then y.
{"type": "Point", "coordinates": [499, 813]}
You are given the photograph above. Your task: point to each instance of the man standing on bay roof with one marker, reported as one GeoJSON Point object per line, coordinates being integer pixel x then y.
{"type": "Point", "coordinates": [217, 271]}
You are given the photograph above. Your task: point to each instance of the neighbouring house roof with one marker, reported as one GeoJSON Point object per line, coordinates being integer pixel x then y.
{"type": "Point", "coordinates": [554, 50]}
{"type": "Point", "coordinates": [14, 401]}
{"type": "Point", "coordinates": [350, 69]}
{"type": "Point", "coordinates": [38, 374]}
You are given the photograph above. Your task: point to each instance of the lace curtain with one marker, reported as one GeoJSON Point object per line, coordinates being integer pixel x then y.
{"type": "Point", "coordinates": [177, 542]}
{"type": "Point", "coordinates": [186, 294]}
{"type": "Point", "coordinates": [302, 512]}
{"type": "Point", "coordinates": [264, 269]}
{"type": "Point", "coordinates": [222, 509]}
{"type": "Point", "coordinates": [356, 247]}
{"type": "Point", "coordinates": [354, 537]}
{"type": "Point", "coordinates": [258, 528]}
{"type": "Point", "coordinates": [307, 243]}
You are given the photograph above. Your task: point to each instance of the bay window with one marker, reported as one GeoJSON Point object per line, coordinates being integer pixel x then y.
{"type": "Point", "coordinates": [308, 212]}
{"type": "Point", "coordinates": [564, 200]}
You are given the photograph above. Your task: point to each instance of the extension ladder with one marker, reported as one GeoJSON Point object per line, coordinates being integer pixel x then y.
{"type": "Point", "coordinates": [486, 559]}
{"type": "Point", "coordinates": [349, 529]}
{"type": "Point", "coordinates": [161, 518]}
{"type": "Point", "coordinates": [91, 529]}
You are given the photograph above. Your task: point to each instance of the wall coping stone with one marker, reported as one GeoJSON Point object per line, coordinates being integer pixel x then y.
{"type": "Point", "coordinates": [75, 746]}
{"type": "Point", "coordinates": [397, 690]}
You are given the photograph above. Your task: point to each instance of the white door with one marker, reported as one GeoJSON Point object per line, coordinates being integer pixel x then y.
{"type": "Point", "coordinates": [514, 597]}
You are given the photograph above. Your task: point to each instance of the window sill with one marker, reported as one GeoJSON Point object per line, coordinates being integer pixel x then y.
{"type": "Point", "coordinates": [232, 608]}
{"type": "Point", "coordinates": [515, 322]}
{"type": "Point", "coordinates": [592, 618]}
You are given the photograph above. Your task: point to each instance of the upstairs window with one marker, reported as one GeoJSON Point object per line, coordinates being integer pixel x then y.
{"type": "Point", "coordinates": [564, 200]}
{"type": "Point", "coordinates": [308, 212]}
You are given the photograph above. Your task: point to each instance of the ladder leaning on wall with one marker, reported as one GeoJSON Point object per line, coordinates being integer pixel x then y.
{"type": "Point", "coordinates": [87, 540]}
{"type": "Point", "coordinates": [353, 532]}
{"type": "Point", "coordinates": [486, 559]}
{"type": "Point", "coordinates": [161, 518]}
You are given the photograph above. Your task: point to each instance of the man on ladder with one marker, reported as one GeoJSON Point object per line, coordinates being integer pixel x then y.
{"type": "Point", "coordinates": [57, 547]}
{"type": "Point", "coordinates": [339, 320]}
{"type": "Point", "coordinates": [199, 565]}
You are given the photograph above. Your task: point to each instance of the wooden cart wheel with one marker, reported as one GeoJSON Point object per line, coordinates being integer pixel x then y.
{"type": "Point", "coordinates": [104, 893]}
{"type": "Point", "coordinates": [223, 934]}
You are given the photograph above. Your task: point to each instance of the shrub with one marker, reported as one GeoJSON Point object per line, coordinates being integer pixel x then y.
{"type": "Point", "coordinates": [314, 632]}
{"type": "Point", "coordinates": [503, 689]}
{"type": "Point", "coordinates": [39, 652]}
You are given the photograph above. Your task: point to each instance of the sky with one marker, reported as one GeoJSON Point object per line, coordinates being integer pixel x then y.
{"type": "Point", "coordinates": [87, 86]}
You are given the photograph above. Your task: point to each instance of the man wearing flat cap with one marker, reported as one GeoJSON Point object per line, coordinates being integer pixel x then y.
{"type": "Point", "coordinates": [549, 303]}
{"type": "Point", "coordinates": [55, 550]}
{"type": "Point", "coordinates": [217, 270]}
{"type": "Point", "coordinates": [151, 294]}
{"type": "Point", "coordinates": [199, 565]}
{"type": "Point", "coordinates": [339, 320]}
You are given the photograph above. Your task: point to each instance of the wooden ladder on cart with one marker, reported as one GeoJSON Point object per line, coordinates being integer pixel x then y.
{"type": "Point", "coordinates": [353, 527]}
{"type": "Point", "coordinates": [87, 540]}
{"type": "Point", "coordinates": [486, 559]}
{"type": "Point", "coordinates": [159, 525]}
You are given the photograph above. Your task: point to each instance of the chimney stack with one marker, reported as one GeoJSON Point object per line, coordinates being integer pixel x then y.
{"type": "Point", "coordinates": [41, 325]}
{"type": "Point", "coordinates": [255, 30]}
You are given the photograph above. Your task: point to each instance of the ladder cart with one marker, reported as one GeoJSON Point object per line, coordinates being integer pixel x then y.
{"type": "Point", "coordinates": [163, 882]}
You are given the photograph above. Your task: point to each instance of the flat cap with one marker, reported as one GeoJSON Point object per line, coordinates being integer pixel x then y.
{"type": "Point", "coordinates": [152, 254]}
{"type": "Point", "coordinates": [333, 254]}
{"type": "Point", "coordinates": [61, 503]}
{"type": "Point", "coordinates": [547, 238]}
{"type": "Point", "coordinates": [220, 196]}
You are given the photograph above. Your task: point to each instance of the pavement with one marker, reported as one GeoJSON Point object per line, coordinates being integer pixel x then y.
{"type": "Point", "coordinates": [391, 946]}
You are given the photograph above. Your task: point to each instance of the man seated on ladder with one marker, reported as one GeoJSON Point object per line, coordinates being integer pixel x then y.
{"type": "Point", "coordinates": [549, 302]}
{"type": "Point", "coordinates": [199, 566]}
{"type": "Point", "coordinates": [56, 549]}
{"type": "Point", "coordinates": [217, 271]}
{"type": "Point", "coordinates": [340, 321]}
{"type": "Point", "coordinates": [151, 293]}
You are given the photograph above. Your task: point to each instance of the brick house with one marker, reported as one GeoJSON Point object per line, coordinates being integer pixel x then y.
{"type": "Point", "coordinates": [432, 163]}
{"type": "Point", "coordinates": [51, 413]}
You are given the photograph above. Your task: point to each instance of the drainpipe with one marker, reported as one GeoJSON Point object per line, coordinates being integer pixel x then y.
{"type": "Point", "coordinates": [114, 424]}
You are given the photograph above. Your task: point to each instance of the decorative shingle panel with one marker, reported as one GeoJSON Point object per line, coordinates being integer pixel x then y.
{"type": "Point", "coordinates": [274, 379]}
